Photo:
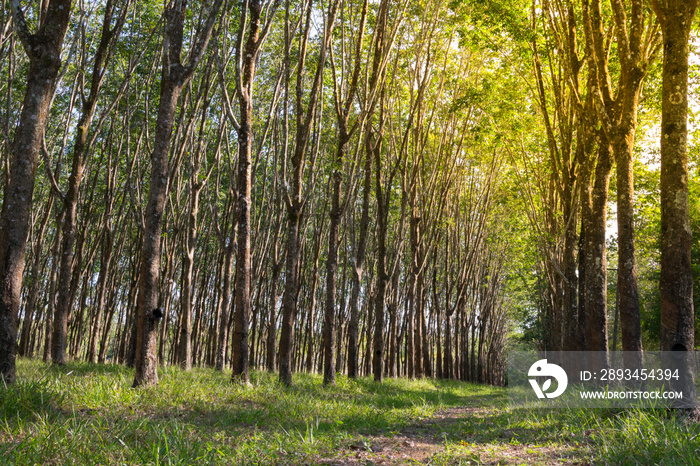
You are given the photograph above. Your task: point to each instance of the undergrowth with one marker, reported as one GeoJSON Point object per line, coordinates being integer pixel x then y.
{"type": "Point", "coordinates": [89, 414]}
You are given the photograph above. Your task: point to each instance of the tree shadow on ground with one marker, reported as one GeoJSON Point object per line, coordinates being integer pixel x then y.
{"type": "Point", "coordinates": [82, 368]}
{"type": "Point", "coordinates": [29, 400]}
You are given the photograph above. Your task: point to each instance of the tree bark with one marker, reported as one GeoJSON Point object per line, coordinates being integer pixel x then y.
{"type": "Point", "coordinates": [329, 327]}
{"type": "Point", "coordinates": [222, 341]}
{"type": "Point", "coordinates": [676, 281]}
{"type": "Point", "coordinates": [244, 180]}
{"type": "Point", "coordinates": [185, 349]}
{"type": "Point", "coordinates": [634, 60]}
{"type": "Point", "coordinates": [148, 312]}
{"type": "Point", "coordinates": [44, 51]}
{"type": "Point", "coordinates": [25, 348]}
{"type": "Point", "coordinates": [105, 264]}
{"type": "Point", "coordinates": [294, 199]}
{"type": "Point", "coordinates": [358, 269]}
{"type": "Point", "coordinates": [618, 114]}
{"type": "Point", "coordinates": [382, 275]}
{"type": "Point", "coordinates": [70, 200]}
{"type": "Point", "coordinates": [174, 76]}
{"type": "Point", "coordinates": [596, 264]}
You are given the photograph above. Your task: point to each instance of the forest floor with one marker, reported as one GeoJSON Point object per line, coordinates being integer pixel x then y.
{"type": "Point", "coordinates": [88, 414]}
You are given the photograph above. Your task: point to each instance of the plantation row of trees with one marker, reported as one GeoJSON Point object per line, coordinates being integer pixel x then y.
{"type": "Point", "coordinates": [384, 188]}
{"type": "Point", "coordinates": [590, 86]}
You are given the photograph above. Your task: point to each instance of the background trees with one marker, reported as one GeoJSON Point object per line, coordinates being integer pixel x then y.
{"type": "Point", "coordinates": [390, 188]}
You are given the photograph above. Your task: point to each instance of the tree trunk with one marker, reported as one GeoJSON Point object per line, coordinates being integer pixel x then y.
{"type": "Point", "coordinates": [382, 276]}
{"type": "Point", "coordinates": [44, 51]}
{"type": "Point", "coordinates": [634, 61]}
{"type": "Point", "coordinates": [148, 311]}
{"type": "Point", "coordinates": [174, 76]}
{"type": "Point", "coordinates": [245, 149]}
{"type": "Point", "coordinates": [618, 115]}
{"type": "Point", "coordinates": [329, 327]}
{"type": "Point", "coordinates": [676, 282]}
{"type": "Point", "coordinates": [70, 200]}
{"type": "Point", "coordinates": [294, 201]}
{"type": "Point", "coordinates": [226, 305]}
{"type": "Point", "coordinates": [271, 359]}
{"type": "Point", "coordinates": [105, 264]}
{"type": "Point", "coordinates": [186, 300]}
{"type": "Point", "coordinates": [358, 270]}
{"type": "Point", "coordinates": [25, 349]}
{"type": "Point", "coordinates": [596, 264]}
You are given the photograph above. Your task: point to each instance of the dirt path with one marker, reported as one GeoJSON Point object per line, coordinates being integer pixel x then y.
{"type": "Point", "coordinates": [425, 443]}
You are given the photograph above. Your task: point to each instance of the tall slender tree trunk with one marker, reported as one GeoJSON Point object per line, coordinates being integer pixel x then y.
{"type": "Point", "coordinates": [105, 264]}
{"type": "Point", "coordinates": [185, 348]}
{"type": "Point", "coordinates": [634, 60]}
{"type": "Point", "coordinates": [426, 350]}
{"type": "Point", "coordinates": [448, 370]}
{"type": "Point", "coordinates": [148, 310]}
{"type": "Point", "coordinates": [343, 106]}
{"type": "Point", "coordinates": [222, 341]}
{"type": "Point", "coordinates": [369, 326]}
{"type": "Point", "coordinates": [570, 314]}
{"type": "Point", "coordinates": [312, 305]}
{"type": "Point", "coordinates": [294, 201]}
{"type": "Point", "coordinates": [244, 180]}
{"type": "Point", "coordinates": [630, 318]}
{"type": "Point", "coordinates": [329, 327]}
{"type": "Point", "coordinates": [174, 76]}
{"type": "Point", "coordinates": [70, 200]}
{"type": "Point", "coordinates": [618, 114]}
{"type": "Point", "coordinates": [393, 326]}
{"type": "Point", "coordinates": [417, 322]}
{"type": "Point", "coordinates": [51, 298]}
{"type": "Point", "coordinates": [289, 298]}
{"type": "Point", "coordinates": [44, 51]}
{"type": "Point", "coordinates": [354, 324]}
{"type": "Point", "coordinates": [410, 332]}
{"type": "Point", "coordinates": [358, 269]}
{"type": "Point", "coordinates": [585, 147]}
{"type": "Point", "coordinates": [676, 282]}
{"type": "Point", "coordinates": [25, 349]}
{"type": "Point", "coordinates": [382, 275]}
{"type": "Point", "coordinates": [596, 264]}
{"type": "Point", "coordinates": [271, 359]}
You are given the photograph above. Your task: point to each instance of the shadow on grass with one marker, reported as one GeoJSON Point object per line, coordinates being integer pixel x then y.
{"type": "Point", "coordinates": [82, 369]}
{"type": "Point", "coordinates": [38, 370]}
{"type": "Point", "coordinates": [267, 415]}
{"type": "Point", "coordinates": [29, 400]}
{"type": "Point", "coordinates": [439, 393]}
{"type": "Point", "coordinates": [351, 408]}
{"type": "Point", "coordinates": [199, 416]}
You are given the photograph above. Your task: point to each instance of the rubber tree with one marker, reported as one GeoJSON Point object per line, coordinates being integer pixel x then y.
{"type": "Point", "coordinates": [343, 106]}
{"type": "Point", "coordinates": [637, 43]}
{"type": "Point", "coordinates": [246, 64]}
{"type": "Point", "coordinates": [114, 12]}
{"type": "Point", "coordinates": [43, 48]}
{"type": "Point", "coordinates": [294, 195]}
{"type": "Point", "coordinates": [676, 281]}
{"type": "Point", "coordinates": [174, 76]}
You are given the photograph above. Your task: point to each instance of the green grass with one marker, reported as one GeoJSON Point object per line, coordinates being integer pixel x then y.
{"type": "Point", "coordinates": [89, 414]}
